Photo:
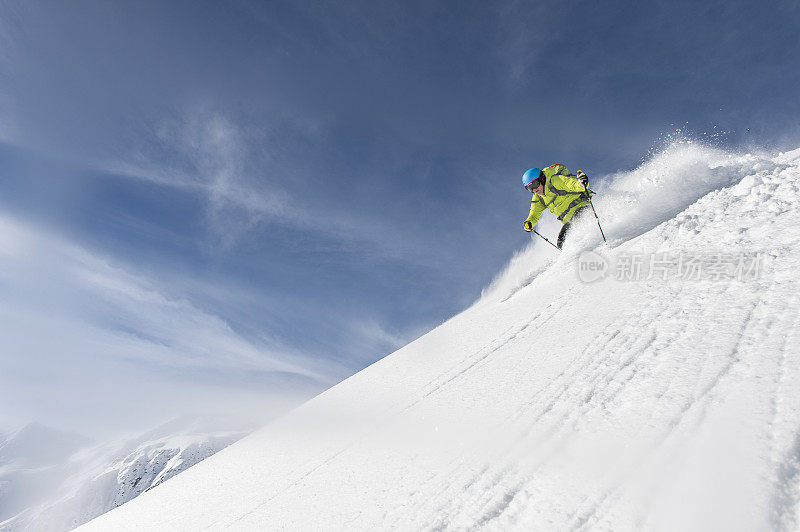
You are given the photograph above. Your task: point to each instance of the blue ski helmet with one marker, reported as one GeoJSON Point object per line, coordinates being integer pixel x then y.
{"type": "Point", "coordinates": [530, 175]}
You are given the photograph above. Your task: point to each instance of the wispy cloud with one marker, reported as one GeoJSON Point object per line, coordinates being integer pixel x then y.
{"type": "Point", "coordinates": [124, 315]}
{"type": "Point", "coordinates": [245, 188]}
{"type": "Point", "coordinates": [204, 152]}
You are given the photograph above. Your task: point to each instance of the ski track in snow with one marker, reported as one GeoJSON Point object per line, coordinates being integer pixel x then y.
{"type": "Point", "coordinates": [556, 404]}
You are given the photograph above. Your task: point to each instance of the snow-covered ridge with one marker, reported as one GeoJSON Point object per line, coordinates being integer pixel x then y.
{"type": "Point", "coordinates": [68, 482]}
{"type": "Point", "coordinates": [667, 403]}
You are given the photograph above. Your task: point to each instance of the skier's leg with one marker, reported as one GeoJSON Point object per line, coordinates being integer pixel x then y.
{"type": "Point", "coordinates": [563, 234]}
{"type": "Point", "coordinates": [564, 230]}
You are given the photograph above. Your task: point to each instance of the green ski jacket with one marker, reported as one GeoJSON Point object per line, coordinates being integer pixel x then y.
{"type": "Point", "coordinates": [563, 194]}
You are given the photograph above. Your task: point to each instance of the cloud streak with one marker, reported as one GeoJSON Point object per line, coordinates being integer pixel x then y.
{"type": "Point", "coordinates": [246, 188]}
{"type": "Point", "coordinates": [42, 271]}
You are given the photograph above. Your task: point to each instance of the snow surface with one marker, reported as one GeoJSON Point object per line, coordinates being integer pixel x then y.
{"type": "Point", "coordinates": [667, 404]}
{"type": "Point", "coordinates": [52, 480]}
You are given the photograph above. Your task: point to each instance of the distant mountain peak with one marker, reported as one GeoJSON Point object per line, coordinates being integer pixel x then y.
{"type": "Point", "coordinates": [56, 480]}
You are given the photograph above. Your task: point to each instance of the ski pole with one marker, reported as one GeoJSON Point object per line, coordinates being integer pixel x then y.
{"type": "Point", "coordinates": [545, 239]}
{"type": "Point", "coordinates": [595, 214]}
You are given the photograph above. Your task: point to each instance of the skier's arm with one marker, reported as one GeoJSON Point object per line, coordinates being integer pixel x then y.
{"type": "Point", "coordinates": [537, 207]}
{"type": "Point", "coordinates": [567, 183]}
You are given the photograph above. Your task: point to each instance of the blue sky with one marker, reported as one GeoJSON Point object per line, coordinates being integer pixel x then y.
{"type": "Point", "coordinates": [232, 205]}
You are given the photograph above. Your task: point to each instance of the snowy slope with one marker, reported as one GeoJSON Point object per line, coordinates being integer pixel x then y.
{"type": "Point", "coordinates": [80, 481]}
{"type": "Point", "coordinates": [669, 403]}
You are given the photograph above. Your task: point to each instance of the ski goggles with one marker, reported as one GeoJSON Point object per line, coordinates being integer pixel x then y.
{"type": "Point", "coordinates": [533, 185]}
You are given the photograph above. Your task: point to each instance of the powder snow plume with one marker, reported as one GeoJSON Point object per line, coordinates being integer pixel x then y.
{"type": "Point", "coordinates": [631, 203]}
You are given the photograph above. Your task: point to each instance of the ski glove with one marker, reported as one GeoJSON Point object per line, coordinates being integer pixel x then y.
{"type": "Point", "coordinates": [528, 226]}
{"type": "Point", "coordinates": [583, 178]}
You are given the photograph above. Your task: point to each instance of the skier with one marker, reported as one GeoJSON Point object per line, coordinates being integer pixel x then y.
{"type": "Point", "coordinates": [556, 189]}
